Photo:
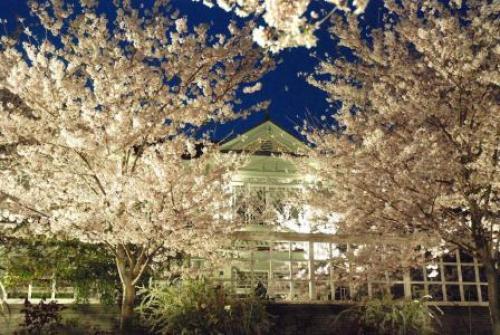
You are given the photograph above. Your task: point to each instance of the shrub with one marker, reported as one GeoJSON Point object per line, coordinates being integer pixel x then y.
{"type": "Point", "coordinates": [45, 319]}
{"type": "Point", "coordinates": [89, 268]}
{"type": "Point", "coordinates": [42, 318]}
{"type": "Point", "coordinates": [197, 307]}
{"type": "Point", "coordinates": [387, 316]}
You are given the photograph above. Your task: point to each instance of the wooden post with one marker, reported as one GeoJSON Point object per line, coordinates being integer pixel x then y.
{"type": "Point", "coordinates": [312, 283]}
{"type": "Point", "coordinates": [443, 279]}
{"type": "Point", "coordinates": [270, 277]}
{"type": "Point", "coordinates": [252, 275]}
{"type": "Point", "coordinates": [330, 272]}
{"type": "Point", "coordinates": [53, 290]}
{"type": "Point", "coordinates": [458, 266]}
{"type": "Point", "coordinates": [424, 274]}
{"type": "Point", "coordinates": [290, 269]}
{"type": "Point", "coordinates": [478, 280]}
{"type": "Point", "coordinates": [407, 282]}
{"type": "Point", "coordinates": [350, 269]}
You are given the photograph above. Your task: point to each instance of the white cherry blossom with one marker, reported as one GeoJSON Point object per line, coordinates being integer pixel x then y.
{"type": "Point", "coordinates": [91, 130]}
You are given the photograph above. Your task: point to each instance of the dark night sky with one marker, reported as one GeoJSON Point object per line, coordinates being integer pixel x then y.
{"type": "Point", "coordinates": [292, 99]}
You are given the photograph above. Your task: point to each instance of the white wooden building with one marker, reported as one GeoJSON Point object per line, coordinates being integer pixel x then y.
{"type": "Point", "coordinates": [299, 261]}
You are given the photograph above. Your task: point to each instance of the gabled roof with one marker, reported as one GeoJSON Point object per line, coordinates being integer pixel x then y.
{"type": "Point", "coordinates": [267, 137]}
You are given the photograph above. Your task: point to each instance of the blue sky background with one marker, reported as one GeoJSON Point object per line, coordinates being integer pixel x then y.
{"type": "Point", "coordinates": [292, 99]}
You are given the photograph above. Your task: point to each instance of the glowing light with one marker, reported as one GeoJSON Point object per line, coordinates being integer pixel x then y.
{"type": "Point", "coordinates": [434, 273]}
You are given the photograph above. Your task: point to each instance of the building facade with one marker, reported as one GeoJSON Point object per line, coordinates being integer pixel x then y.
{"type": "Point", "coordinates": [293, 259]}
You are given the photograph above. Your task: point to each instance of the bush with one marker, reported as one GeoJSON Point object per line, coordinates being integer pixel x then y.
{"type": "Point", "coordinates": [89, 268]}
{"type": "Point", "coordinates": [42, 318]}
{"type": "Point", "coordinates": [387, 316]}
{"type": "Point", "coordinates": [46, 319]}
{"type": "Point", "coordinates": [197, 307]}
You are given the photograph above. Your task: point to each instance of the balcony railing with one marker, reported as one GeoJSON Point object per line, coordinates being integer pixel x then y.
{"type": "Point", "coordinates": [298, 267]}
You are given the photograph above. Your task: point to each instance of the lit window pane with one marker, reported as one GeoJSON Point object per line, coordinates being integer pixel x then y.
{"type": "Point", "coordinates": [321, 251]}
{"type": "Point", "coordinates": [300, 270]}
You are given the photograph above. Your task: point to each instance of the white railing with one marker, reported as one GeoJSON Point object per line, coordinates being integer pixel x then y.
{"type": "Point", "coordinates": [297, 267]}
{"type": "Point", "coordinates": [34, 294]}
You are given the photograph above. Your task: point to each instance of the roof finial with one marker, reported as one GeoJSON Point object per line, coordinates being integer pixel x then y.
{"type": "Point", "coordinates": [267, 115]}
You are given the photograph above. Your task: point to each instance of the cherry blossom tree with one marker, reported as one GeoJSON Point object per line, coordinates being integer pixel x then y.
{"type": "Point", "coordinates": [287, 23]}
{"type": "Point", "coordinates": [417, 143]}
{"type": "Point", "coordinates": [96, 129]}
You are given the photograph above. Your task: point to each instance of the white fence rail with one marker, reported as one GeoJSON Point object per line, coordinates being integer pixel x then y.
{"type": "Point", "coordinates": [297, 267]}
{"type": "Point", "coordinates": [304, 268]}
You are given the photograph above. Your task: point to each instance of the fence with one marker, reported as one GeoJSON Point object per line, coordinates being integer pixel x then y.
{"type": "Point", "coordinates": [300, 267]}
{"type": "Point", "coordinates": [314, 268]}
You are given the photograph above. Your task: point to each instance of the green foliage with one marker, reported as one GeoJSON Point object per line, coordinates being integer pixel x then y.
{"type": "Point", "coordinates": [42, 318]}
{"type": "Point", "coordinates": [388, 316]}
{"type": "Point", "coordinates": [46, 318]}
{"type": "Point", "coordinates": [196, 307]}
{"type": "Point", "coordinates": [86, 267]}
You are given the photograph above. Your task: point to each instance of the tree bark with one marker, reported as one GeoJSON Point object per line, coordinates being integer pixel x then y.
{"type": "Point", "coordinates": [131, 265]}
{"type": "Point", "coordinates": [493, 276]}
{"type": "Point", "coordinates": [127, 309]}
{"type": "Point", "coordinates": [489, 258]}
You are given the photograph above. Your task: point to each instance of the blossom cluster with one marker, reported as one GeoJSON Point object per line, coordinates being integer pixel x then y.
{"type": "Point", "coordinates": [288, 23]}
{"type": "Point", "coordinates": [94, 126]}
{"type": "Point", "coordinates": [416, 149]}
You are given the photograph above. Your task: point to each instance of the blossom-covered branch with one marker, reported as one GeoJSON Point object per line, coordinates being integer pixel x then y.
{"type": "Point", "coordinates": [417, 147]}
{"type": "Point", "coordinates": [288, 23]}
{"type": "Point", "coordinates": [94, 129]}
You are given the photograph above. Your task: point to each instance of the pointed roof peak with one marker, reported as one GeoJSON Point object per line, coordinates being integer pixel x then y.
{"type": "Point", "coordinates": [266, 138]}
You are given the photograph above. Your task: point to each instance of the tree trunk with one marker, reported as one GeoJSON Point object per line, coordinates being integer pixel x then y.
{"type": "Point", "coordinates": [489, 258]}
{"type": "Point", "coordinates": [127, 310]}
{"type": "Point", "coordinates": [131, 263]}
{"type": "Point", "coordinates": [493, 276]}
